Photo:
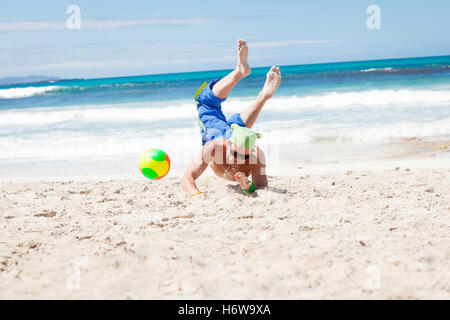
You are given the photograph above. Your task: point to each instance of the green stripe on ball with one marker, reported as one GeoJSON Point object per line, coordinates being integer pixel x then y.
{"type": "Point", "coordinates": [149, 173]}
{"type": "Point", "coordinates": [157, 155]}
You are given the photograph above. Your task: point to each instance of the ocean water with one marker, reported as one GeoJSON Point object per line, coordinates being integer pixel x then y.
{"type": "Point", "coordinates": [99, 123]}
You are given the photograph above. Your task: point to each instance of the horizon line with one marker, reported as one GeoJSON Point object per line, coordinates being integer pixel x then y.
{"type": "Point", "coordinates": [57, 78]}
{"type": "Point", "coordinates": [256, 67]}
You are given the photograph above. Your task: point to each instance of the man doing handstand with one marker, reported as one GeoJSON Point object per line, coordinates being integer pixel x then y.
{"type": "Point", "coordinates": [229, 144]}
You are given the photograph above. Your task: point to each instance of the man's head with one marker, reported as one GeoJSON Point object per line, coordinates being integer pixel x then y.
{"type": "Point", "coordinates": [243, 140]}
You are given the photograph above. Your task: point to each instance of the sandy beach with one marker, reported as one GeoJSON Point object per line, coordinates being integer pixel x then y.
{"type": "Point", "coordinates": [375, 232]}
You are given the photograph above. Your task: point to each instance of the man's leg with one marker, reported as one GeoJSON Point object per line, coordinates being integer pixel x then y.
{"type": "Point", "coordinates": [224, 86]}
{"type": "Point", "coordinates": [273, 79]}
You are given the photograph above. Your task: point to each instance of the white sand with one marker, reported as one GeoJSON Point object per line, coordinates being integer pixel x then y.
{"type": "Point", "coordinates": [377, 233]}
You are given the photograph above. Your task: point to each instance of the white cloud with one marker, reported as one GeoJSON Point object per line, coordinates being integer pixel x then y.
{"type": "Point", "coordinates": [110, 24]}
{"type": "Point", "coordinates": [90, 64]}
{"type": "Point", "coordinates": [285, 43]}
{"type": "Point", "coordinates": [99, 24]}
{"type": "Point", "coordinates": [32, 25]}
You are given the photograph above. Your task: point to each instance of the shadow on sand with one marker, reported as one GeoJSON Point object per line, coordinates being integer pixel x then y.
{"type": "Point", "coordinates": [237, 188]}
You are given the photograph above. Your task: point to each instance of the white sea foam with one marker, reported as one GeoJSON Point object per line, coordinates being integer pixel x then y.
{"type": "Point", "coordinates": [67, 142]}
{"type": "Point", "coordinates": [87, 145]}
{"type": "Point", "coordinates": [378, 69]}
{"type": "Point", "coordinates": [95, 113]}
{"type": "Point", "coordinates": [15, 93]}
{"type": "Point", "coordinates": [149, 112]}
{"type": "Point", "coordinates": [369, 98]}
{"type": "Point", "coordinates": [183, 143]}
{"type": "Point", "coordinates": [310, 133]}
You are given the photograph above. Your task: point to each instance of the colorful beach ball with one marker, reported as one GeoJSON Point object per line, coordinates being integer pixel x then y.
{"type": "Point", "coordinates": [154, 164]}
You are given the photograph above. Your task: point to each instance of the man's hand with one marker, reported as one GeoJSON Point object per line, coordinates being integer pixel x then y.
{"type": "Point", "coordinates": [242, 179]}
{"type": "Point", "coordinates": [195, 169]}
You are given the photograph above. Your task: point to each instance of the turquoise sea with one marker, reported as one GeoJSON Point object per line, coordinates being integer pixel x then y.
{"type": "Point", "coordinates": [74, 121]}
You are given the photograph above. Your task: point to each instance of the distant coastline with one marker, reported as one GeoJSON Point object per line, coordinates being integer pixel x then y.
{"type": "Point", "coordinates": [28, 79]}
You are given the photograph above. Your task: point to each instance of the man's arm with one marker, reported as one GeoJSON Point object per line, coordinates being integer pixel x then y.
{"type": "Point", "coordinates": [195, 169]}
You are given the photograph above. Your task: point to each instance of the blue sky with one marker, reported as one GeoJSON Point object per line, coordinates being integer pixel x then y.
{"type": "Point", "coordinates": [145, 36]}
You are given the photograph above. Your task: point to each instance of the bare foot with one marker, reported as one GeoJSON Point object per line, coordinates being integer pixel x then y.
{"type": "Point", "coordinates": [242, 179]}
{"type": "Point", "coordinates": [273, 79]}
{"type": "Point", "coordinates": [243, 68]}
